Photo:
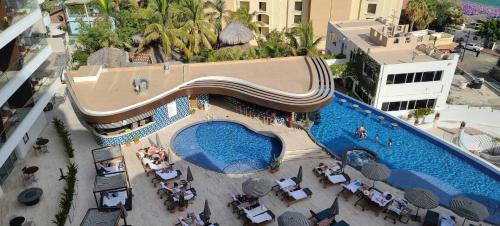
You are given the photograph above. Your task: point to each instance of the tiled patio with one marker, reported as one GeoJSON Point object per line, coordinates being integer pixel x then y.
{"type": "Point", "coordinates": [148, 209]}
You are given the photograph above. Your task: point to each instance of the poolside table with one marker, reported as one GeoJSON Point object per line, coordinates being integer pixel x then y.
{"type": "Point", "coordinates": [30, 196]}
{"type": "Point", "coordinates": [17, 221]}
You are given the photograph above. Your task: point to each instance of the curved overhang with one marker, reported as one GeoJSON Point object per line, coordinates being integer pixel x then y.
{"type": "Point", "coordinates": [293, 84]}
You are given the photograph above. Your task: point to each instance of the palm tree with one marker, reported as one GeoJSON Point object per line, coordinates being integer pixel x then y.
{"type": "Point", "coordinates": [199, 30]}
{"type": "Point", "coordinates": [424, 21]}
{"type": "Point", "coordinates": [105, 7]}
{"type": "Point", "coordinates": [242, 15]}
{"type": "Point", "coordinates": [161, 29]}
{"type": "Point", "coordinates": [306, 43]}
{"type": "Point", "coordinates": [217, 15]}
{"type": "Point", "coordinates": [416, 9]}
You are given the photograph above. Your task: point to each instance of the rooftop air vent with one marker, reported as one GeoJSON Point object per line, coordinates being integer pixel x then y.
{"type": "Point", "coordinates": [140, 85]}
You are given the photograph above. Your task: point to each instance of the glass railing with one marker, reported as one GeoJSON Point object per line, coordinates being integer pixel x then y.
{"type": "Point", "coordinates": [30, 47]}
{"type": "Point", "coordinates": [13, 116]}
{"type": "Point", "coordinates": [16, 10]}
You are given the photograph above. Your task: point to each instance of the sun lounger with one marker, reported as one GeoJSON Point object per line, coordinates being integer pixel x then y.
{"type": "Point", "coordinates": [340, 223]}
{"type": "Point", "coordinates": [436, 219]}
{"type": "Point", "coordinates": [351, 189]}
{"type": "Point", "coordinates": [319, 171]}
{"type": "Point", "coordinates": [165, 176]}
{"type": "Point", "coordinates": [255, 211]}
{"type": "Point", "coordinates": [376, 201]}
{"type": "Point", "coordinates": [397, 210]}
{"type": "Point", "coordinates": [292, 197]}
{"type": "Point", "coordinates": [324, 214]}
{"type": "Point", "coordinates": [115, 198]}
{"type": "Point", "coordinates": [332, 179]}
{"type": "Point", "coordinates": [165, 189]}
{"type": "Point", "coordinates": [284, 185]}
{"type": "Point", "coordinates": [262, 218]}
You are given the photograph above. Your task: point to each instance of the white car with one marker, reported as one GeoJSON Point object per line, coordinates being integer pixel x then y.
{"type": "Point", "coordinates": [473, 47]}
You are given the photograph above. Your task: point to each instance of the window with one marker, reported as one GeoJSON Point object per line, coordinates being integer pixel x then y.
{"type": "Point", "coordinates": [333, 39]}
{"type": "Point", "coordinates": [407, 40]}
{"type": "Point", "coordinates": [428, 76]}
{"type": "Point", "coordinates": [362, 94]}
{"type": "Point", "coordinates": [409, 77]}
{"type": "Point", "coordinates": [368, 71]}
{"type": "Point", "coordinates": [408, 105]}
{"type": "Point", "coordinates": [372, 9]}
{"type": "Point", "coordinates": [400, 78]}
{"type": "Point", "coordinates": [245, 4]}
{"type": "Point", "coordinates": [262, 6]}
{"type": "Point", "coordinates": [418, 76]}
{"type": "Point", "coordinates": [394, 106]}
{"type": "Point", "coordinates": [396, 40]}
{"type": "Point", "coordinates": [437, 76]}
{"type": "Point", "coordinates": [7, 167]}
{"type": "Point", "coordinates": [297, 19]}
{"type": "Point", "coordinates": [390, 79]}
{"type": "Point", "coordinates": [298, 6]}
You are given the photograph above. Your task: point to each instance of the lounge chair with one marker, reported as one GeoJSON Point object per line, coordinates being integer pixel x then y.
{"type": "Point", "coordinates": [376, 201]}
{"type": "Point", "coordinates": [283, 185]}
{"type": "Point", "coordinates": [340, 223]}
{"type": "Point", "coordinates": [324, 214]}
{"type": "Point", "coordinates": [319, 171]}
{"type": "Point", "coordinates": [299, 194]}
{"type": "Point", "coordinates": [397, 210]}
{"type": "Point", "coordinates": [173, 187]}
{"type": "Point", "coordinates": [165, 176]}
{"type": "Point", "coordinates": [333, 179]}
{"type": "Point", "coordinates": [351, 189]}
{"type": "Point", "coordinates": [435, 219]}
{"type": "Point", "coordinates": [189, 195]}
{"type": "Point", "coordinates": [239, 202]}
{"type": "Point", "coordinates": [258, 215]}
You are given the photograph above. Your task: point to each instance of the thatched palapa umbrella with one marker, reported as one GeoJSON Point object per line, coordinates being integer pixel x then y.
{"type": "Point", "coordinates": [375, 171]}
{"type": "Point", "coordinates": [235, 34]}
{"type": "Point", "coordinates": [290, 218]}
{"type": "Point", "coordinates": [421, 198]}
{"type": "Point", "coordinates": [256, 187]}
{"type": "Point", "coordinates": [469, 209]}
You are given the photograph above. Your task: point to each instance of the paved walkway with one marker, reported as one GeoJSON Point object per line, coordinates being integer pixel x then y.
{"type": "Point", "coordinates": [214, 187]}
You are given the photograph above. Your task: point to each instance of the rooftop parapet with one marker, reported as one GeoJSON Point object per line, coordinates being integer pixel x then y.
{"type": "Point", "coordinates": [397, 36]}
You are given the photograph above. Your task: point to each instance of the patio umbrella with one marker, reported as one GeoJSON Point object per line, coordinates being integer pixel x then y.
{"type": "Point", "coordinates": [375, 171]}
{"type": "Point", "coordinates": [189, 176]}
{"type": "Point", "coordinates": [256, 187]}
{"type": "Point", "coordinates": [206, 211]}
{"type": "Point", "coordinates": [299, 175]}
{"type": "Point", "coordinates": [335, 206]}
{"type": "Point", "coordinates": [469, 209]}
{"type": "Point", "coordinates": [290, 218]}
{"type": "Point", "coordinates": [158, 141]}
{"type": "Point", "coordinates": [421, 198]}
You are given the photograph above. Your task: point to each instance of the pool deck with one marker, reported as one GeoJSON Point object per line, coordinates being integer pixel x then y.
{"type": "Point", "coordinates": [215, 187]}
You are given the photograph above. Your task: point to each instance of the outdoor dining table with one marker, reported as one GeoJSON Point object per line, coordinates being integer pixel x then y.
{"type": "Point", "coordinates": [17, 221]}
{"type": "Point", "coordinates": [42, 142]}
{"type": "Point", "coordinates": [29, 173]}
{"type": "Point", "coordinates": [30, 196]}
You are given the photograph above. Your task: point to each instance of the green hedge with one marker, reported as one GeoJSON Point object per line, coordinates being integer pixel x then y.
{"type": "Point", "coordinates": [66, 196]}
{"type": "Point", "coordinates": [65, 137]}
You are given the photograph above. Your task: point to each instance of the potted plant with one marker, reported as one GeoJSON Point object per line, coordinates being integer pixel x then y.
{"type": "Point", "coordinates": [136, 139]}
{"type": "Point", "coordinates": [275, 165]}
{"type": "Point", "coordinates": [192, 111]}
{"type": "Point", "coordinates": [171, 205]}
{"type": "Point", "coordinates": [410, 117]}
{"type": "Point", "coordinates": [183, 203]}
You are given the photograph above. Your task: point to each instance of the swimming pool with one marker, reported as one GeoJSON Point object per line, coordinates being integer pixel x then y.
{"type": "Point", "coordinates": [416, 159]}
{"type": "Point", "coordinates": [226, 146]}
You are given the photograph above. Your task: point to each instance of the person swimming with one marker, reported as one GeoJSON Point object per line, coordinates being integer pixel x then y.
{"type": "Point", "coordinates": [376, 137]}
{"type": "Point", "coordinates": [389, 143]}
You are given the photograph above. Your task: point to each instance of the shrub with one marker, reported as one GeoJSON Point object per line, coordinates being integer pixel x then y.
{"type": "Point", "coordinates": [66, 196]}
{"type": "Point", "coordinates": [422, 112]}
{"type": "Point", "coordinates": [80, 57]}
{"type": "Point", "coordinates": [65, 137]}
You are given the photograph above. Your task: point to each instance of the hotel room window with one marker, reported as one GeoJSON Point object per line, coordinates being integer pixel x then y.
{"type": "Point", "coordinates": [298, 6]}
{"type": "Point", "coordinates": [262, 6]}
{"type": "Point", "coordinates": [297, 19]}
{"type": "Point", "coordinates": [371, 9]}
{"type": "Point", "coordinates": [333, 39]}
{"type": "Point", "coordinates": [245, 4]}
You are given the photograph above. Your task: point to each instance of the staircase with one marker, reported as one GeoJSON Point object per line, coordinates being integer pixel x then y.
{"type": "Point", "coordinates": [313, 153]}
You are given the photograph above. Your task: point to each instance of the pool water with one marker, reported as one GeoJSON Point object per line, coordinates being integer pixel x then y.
{"type": "Point", "coordinates": [226, 147]}
{"type": "Point", "coordinates": [415, 159]}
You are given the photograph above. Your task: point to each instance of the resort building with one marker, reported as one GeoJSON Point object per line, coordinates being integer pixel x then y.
{"type": "Point", "coordinates": [26, 84]}
{"type": "Point", "coordinates": [78, 11]}
{"type": "Point", "coordinates": [395, 70]}
{"type": "Point", "coordinates": [285, 14]}
{"type": "Point", "coordinates": [123, 104]}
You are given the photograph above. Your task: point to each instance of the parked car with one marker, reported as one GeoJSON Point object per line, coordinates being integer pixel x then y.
{"type": "Point", "coordinates": [473, 46]}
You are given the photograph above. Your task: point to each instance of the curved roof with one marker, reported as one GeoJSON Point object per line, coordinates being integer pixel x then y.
{"type": "Point", "coordinates": [294, 84]}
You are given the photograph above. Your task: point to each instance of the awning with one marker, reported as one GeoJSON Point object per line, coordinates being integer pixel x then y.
{"type": "Point", "coordinates": [124, 122]}
{"type": "Point", "coordinates": [110, 182]}
{"type": "Point", "coordinates": [95, 217]}
{"type": "Point", "coordinates": [106, 153]}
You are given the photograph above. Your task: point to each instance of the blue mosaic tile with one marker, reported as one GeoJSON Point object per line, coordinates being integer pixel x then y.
{"type": "Point", "coordinates": [161, 120]}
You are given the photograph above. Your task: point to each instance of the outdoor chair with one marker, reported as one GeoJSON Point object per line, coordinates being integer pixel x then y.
{"type": "Point", "coordinates": [351, 189]}
{"type": "Point", "coordinates": [324, 214]}
{"type": "Point", "coordinates": [334, 179]}
{"type": "Point", "coordinates": [165, 176]}
{"type": "Point", "coordinates": [296, 195]}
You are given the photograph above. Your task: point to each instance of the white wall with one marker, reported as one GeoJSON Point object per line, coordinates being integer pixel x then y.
{"type": "Point", "coordinates": [421, 90]}
{"type": "Point", "coordinates": [19, 27]}
{"type": "Point", "coordinates": [34, 132]}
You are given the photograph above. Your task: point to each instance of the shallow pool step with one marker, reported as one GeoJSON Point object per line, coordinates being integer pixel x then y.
{"type": "Point", "coordinates": [305, 154]}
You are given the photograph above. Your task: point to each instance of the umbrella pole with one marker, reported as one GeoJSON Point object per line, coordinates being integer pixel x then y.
{"type": "Point", "coordinates": [464, 222]}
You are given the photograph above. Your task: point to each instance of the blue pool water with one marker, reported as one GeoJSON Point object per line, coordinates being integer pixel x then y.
{"type": "Point", "coordinates": [226, 147]}
{"type": "Point", "coordinates": [416, 160]}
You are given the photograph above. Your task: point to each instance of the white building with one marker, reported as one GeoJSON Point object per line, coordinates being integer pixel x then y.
{"type": "Point", "coordinates": [25, 90]}
{"type": "Point", "coordinates": [397, 71]}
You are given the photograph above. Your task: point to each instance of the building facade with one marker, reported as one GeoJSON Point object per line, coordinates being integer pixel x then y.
{"type": "Point", "coordinates": [394, 70]}
{"type": "Point", "coordinates": [24, 90]}
{"type": "Point", "coordinates": [285, 14]}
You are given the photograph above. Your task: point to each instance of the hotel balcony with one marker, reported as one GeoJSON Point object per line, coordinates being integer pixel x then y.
{"type": "Point", "coordinates": [17, 16]}
{"type": "Point", "coordinates": [21, 58]}
{"type": "Point", "coordinates": [22, 108]}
